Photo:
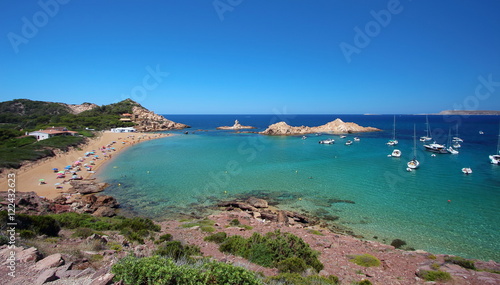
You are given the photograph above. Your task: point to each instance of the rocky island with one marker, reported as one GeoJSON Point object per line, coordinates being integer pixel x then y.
{"type": "Point", "coordinates": [337, 127]}
{"type": "Point", "coordinates": [236, 126]}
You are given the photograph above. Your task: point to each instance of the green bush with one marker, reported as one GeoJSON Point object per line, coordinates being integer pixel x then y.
{"type": "Point", "coordinates": [175, 249]}
{"type": "Point", "coordinates": [159, 270]}
{"type": "Point", "coordinates": [292, 265]}
{"type": "Point", "coordinates": [219, 237]}
{"type": "Point", "coordinates": [234, 223]}
{"type": "Point", "coordinates": [272, 248]}
{"type": "Point", "coordinates": [398, 243]}
{"type": "Point", "coordinates": [297, 279]}
{"type": "Point", "coordinates": [364, 282]}
{"type": "Point", "coordinates": [365, 260]}
{"type": "Point", "coordinates": [82, 232]}
{"type": "Point", "coordinates": [465, 263]}
{"type": "Point", "coordinates": [39, 225]}
{"type": "Point", "coordinates": [164, 238]}
{"type": "Point", "coordinates": [26, 234]}
{"type": "Point", "coordinates": [134, 229]}
{"type": "Point", "coordinates": [3, 239]}
{"type": "Point", "coordinates": [434, 275]}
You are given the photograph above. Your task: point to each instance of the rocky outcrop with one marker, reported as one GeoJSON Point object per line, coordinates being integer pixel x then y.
{"type": "Point", "coordinates": [147, 121]}
{"type": "Point", "coordinates": [86, 186]}
{"type": "Point", "coordinates": [259, 208]}
{"type": "Point", "coordinates": [77, 109]}
{"type": "Point", "coordinates": [236, 126]}
{"type": "Point", "coordinates": [336, 127]}
{"type": "Point", "coordinates": [27, 203]}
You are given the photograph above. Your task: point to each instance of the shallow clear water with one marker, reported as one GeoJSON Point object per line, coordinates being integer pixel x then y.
{"type": "Point", "coordinates": [164, 177]}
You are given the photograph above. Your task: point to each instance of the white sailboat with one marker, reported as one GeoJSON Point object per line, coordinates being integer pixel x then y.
{"type": "Point", "coordinates": [450, 148]}
{"type": "Point", "coordinates": [393, 142]}
{"type": "Point", "coordinates": [427, 131]}
{"type": "Point", "coordinates": [414, 163]}
{"type": "Point", "coordinates": [456, 138]}
{"type": "Point", "coordinates": [495, 158]}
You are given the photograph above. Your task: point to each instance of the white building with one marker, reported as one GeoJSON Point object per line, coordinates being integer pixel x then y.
{"type": "Point", "coordinates": [52, 132]}
{"type": "Point", "coordinates": [123, 130]}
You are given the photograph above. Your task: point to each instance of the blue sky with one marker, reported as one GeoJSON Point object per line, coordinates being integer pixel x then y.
{"type": "Point", "coordinates": [254, 56]}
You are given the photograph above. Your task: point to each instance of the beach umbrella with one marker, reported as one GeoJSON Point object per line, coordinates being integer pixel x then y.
{"type": "Point", "coordinates": [55, 169]}
{"type": "Point", "coordinates": [67, 167]}
{"type": "Point", "coordinates": [61, 172]}
{"type": "Point", "coordinates": [77, 162]}
{"type": "Point", "coordinates": [41, 180]}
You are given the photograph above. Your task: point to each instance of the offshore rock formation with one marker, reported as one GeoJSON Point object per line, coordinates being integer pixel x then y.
{"type": "Point", "coordinates": [336, 127]}
{"type": "Point", "coordinates": [236, 126]}
{"type": "Point", "coordinates": [147, 121]}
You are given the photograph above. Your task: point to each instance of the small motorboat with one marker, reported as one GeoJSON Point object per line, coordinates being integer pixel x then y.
{"type": "Point", "coordinates": [349, 142]}
{"type": "Point", "coordinates": [356, 139]}
{"type": "Point", "coordinates": [327, 141]}
{"type": "Point", "coordinates": [467, 170]}
{"type": "Point", "coordinates": [396, 153]}
{"type": "Point", "coordinates": [452, 150]}
{"type": "Point", "coordinates": [481, 132]}
{"type": "Point", "coordinates": [304, 137]}
{"type": "Point", "coordinates": [342, 137]}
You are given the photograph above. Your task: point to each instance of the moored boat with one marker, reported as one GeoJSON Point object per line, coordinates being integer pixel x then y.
{"type": "Point", "coordinates": [327, 141]}
{"type": "Point", "coordinates": [427, 131]}
{"type": "Point", "coordinates": [414, 163]}
{"type": "Point", "coordinates": [435, 147]}
{"type": "Point", "coordinates": [467, 170]}
{"type": "Point", "coordinates": [349, 142]}
{"type": "Point", "coordinates": [394, 141]}
{"type": "Point", "coordinates": [396, 153]}
{"type": "Point", "coordinates": [495, 158]}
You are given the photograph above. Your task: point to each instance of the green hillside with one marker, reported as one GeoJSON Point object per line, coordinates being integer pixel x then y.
{"type": "Point", "coordinates": [22, 115]}
{"type": "Point", "coordinates": [31, 115]}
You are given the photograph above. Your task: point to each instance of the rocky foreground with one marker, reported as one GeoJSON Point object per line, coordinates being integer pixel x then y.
{"type": "Point", "coordinates": [76, 260]}
{"type": "Point", "coordinates": [337, 127]}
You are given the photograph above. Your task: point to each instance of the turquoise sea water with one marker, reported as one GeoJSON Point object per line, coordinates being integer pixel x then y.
{"type": "Point", "coordinates": [165, 177]}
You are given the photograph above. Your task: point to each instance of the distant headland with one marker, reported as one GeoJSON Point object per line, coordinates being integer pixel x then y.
{"type": "Point", "coordinates": [465, 112]}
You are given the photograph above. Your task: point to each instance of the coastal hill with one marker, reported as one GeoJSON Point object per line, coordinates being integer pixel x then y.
{"type": "Point", "coordinates": [28, 114]}
{"type": "Point", "coordinates": [465, 112]}
{"type": "Point", "coordinates": [236, 126]}
{"type": "Point", "coordinates": [337, 127]}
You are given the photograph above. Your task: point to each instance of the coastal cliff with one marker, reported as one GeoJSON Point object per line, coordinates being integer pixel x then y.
{"type": "Point", "coordinates": [236, 126]}
{"type": "Point", "coordinates": [337, 127]}
{"type": "Point", "coordinates": [147, 121]}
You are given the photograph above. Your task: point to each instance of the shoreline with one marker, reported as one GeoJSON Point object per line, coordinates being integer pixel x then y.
{"type": "Point", "coordinates": [29, 175]}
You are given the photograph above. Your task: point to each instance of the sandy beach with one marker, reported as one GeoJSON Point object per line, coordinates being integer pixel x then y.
{"type": "Point", "coordinates": [105, 145]}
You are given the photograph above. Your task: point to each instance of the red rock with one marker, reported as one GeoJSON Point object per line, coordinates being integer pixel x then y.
{"type": "Point", "coordinates": [50, 261]}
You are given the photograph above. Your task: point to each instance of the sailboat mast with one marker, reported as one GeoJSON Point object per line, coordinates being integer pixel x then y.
{"type": "Point", "coordinates": [414, 142]}
{"type": "Point", "coordinates": [394, 129]}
